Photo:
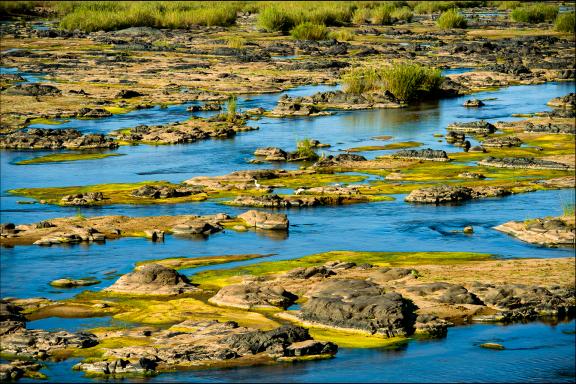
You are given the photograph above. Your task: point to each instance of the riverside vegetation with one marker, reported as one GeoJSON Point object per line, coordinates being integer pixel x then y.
{"type": "Point", "coordinates": [218, 133]}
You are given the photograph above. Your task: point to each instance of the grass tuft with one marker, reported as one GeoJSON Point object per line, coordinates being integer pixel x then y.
{"type": "Point", "coordinates": [566, 22]}
{"type": "Point", "coordinates": [309, 31]}
{"type": "Point", "coordinates": [535, 13]}
{"type": "Point", "coordinates": [451, 19]}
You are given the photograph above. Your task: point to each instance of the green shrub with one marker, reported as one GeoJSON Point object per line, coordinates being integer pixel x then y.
{"type": "Point", "coordinates": [409, 81]}
{"type": "Point", "coordinates": [535, 13]}
{"type": "Point", "coordinates": [273, 19]}
{"type": "Point", "coordinates": [404, 13]}
{"type": "Point", "coordinates": [231, 109]}
{"type": "Point", "coordinates": [309, 31]}
{"type": "Point", "coordinates": [565, 22]}
{"type": "Point", "coordinates": [360, 80]}
{"type": "Point", "coordinates": [305, 149]}
{"type": "Point", "coordinates": [342, 35]}
{"type": "Point", "coordinates": [451, 19]}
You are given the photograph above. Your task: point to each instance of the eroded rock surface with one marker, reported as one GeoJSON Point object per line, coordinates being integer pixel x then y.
{"type": "Point", "coordinates": [152, 279]}
{"type": "Point", "coordinates": [547, 231]}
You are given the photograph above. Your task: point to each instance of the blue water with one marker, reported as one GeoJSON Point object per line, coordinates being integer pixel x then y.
{"type": "Point", "coordinates": [536, 352]}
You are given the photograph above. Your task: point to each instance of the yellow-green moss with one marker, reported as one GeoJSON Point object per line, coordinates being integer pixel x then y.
{"type": "Point", "coordinates": [348, 339]}
{"type": "Point", "coordinates": [150, 311]}
{"type": "Point", "coordinates": [195, 262]}
{"type": "Point", "coordinates": [400, 145]}
{"type": "Point", "coordinates": [62, 157]}
{"type": "Point", "coordinates": [41, 120]}
{"type": "Point", "coordinates": [313, 180]}
{"type": "Point", "coordinates": [113, 193]}
{"type": "Point", "coordinates": [222, 277]}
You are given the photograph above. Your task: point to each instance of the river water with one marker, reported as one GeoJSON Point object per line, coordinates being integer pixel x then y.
{"type": "Point", "coordinates": [535, 352]}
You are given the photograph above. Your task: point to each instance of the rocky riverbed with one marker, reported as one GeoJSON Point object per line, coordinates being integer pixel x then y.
{"type": "Point", "coordinates": [200, 256]}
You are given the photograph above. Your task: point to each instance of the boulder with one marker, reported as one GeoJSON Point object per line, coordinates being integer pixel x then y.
{"type": "Point", "coordinates": [33, 89]}
{"type": "Point", "coordinates": [440, 194]}
{"type": "Point", "coordinates": [474, 103]}
{"type": "Point", "coordinates": [253, 296]}
{"type": "Point", "coordinates": [502, 142]}
{"type": "Point", "coordinates": [359, 305]}
{"type": "Point", "coordinates": [265, 220]}
{"type": "Point", "coordinates": [567, 102]}
{"type": "Point", "coordinates": [70, 283]}
{"type": "Point", "coordinates": [475, 127]}
{"type": "Point", "coordinates": [152, 279]}
{"type": "Point", "coordinates": [422, 154]}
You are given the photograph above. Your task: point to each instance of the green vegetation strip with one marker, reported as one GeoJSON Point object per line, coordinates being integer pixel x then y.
{"type": "Point", "coordinates": [223, 277]}
{"type": "Point", "coordinates": [196, 262]}
{"type": "Point", "coordinates": [61, 157]}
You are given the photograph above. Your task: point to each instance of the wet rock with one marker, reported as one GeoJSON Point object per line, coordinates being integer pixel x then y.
{"type": "Point", "coordinates": [474, 103]}
{"type": "Point", "coordinates": [525, 302]}
{"type": "Point", "coordinates": [522, 163]}
{"type": "Point", "coordinates": [36, 342]}
{"type": "Point", "coordinates": [431, 326]}
{"type": "Point", "coordinates": [288, 106]}
{"type": "Point", "coordinates": [70, 283]}
{"type": "Point", "coordinates": [308, 272]}
{"type": "Point", "coordinates": [271, 153]}
{"type": "Point", "coordinates": [468, 229]}
{"type": "Point", "coordinates": [33, 89]}
{"type": "Point", "coordinates": [152, 279]}
{"type": "Point", "coordinates": [264, 220]}
{"type": "Point", "coordinates": [93, 113]}
{"type": "Point", "coordinates": [196, 227]}
{"type": "Point", "coordinates": [475, 127]}
{"type": "Point", "coordinates": [163, 192]}
{"type": "Point", "coordinates": [509, 68]}
{"type": "Point", "coordinates": [154, 234]}
{"type": "Point", "coordinates": [205, 107]}
{"type": "Point", "coordinates": [495, 346]}
{"type": "Point", "coordinates": [331, 161]}
{"type": "Point", "coordinates": [55, 139]}
{"type": "Point", "coordinates": [251, 295]}
{"type": "Point", "coordinates": [550, 128]}
{"type": "Point", "coordinates": [267, 201]}
{"type": "Point", "coordinates": [567, 102]}
{"type": "Point", "coordinates": [502, 142]}
{"type": "Point", "coordinates": [440, 194]}
{"type": "Point", "coordinates": [82, 199]}
{"type": "Point", "coordinates": [547, 231]}
{"type": "Point", "coordinates": [455, 138]}
{"type": "Point", "coordinates": [11, 319]}
{"type": "Point", "coordinates": [360, 305]}
{"type": "Point", "coordinates": [422, 154]}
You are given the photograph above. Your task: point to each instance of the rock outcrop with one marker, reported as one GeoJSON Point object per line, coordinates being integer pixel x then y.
{"type": "Point", "coordinates": [359, 305]}
{"type": "Point", "coordinates": [422, 154]}
{"type": "Point", "coordinates": [152, 279]}
{"type": "Point", "coordinates": [38, 138]}
{"type": "Point", "coordinates": [475, 127]}
{"type": "Point", "coordinates": [251, 295]}
{"type": "Point", "coordinates": [547, 231]}
{"type": "Point", "coordinates": [265, 220]}
{"type": "Point", "coordinates": [523, 163]}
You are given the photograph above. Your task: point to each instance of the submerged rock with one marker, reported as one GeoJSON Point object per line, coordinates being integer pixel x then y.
{"type": "Point", "coordinates": [474, 103]}
{"type": "Point", "coordinates": [152, 279]}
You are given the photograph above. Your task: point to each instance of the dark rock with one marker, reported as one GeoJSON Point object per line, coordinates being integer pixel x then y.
{"type": "Point", "coordinates": [522, 162]}
{"type": "Point", "coordinates": [422, 154]}
{"type": "Point", "coordinates": [361, 305]}
{"type": "Point", "coordinates": [33, 89]}
{"type": "Point", "coordinates": [477, 127]}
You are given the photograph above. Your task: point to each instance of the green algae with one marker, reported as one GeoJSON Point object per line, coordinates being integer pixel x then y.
{"type": "Point", "coordinates": [117, 193]}
{"type": "Point", "coordinates": [348, 339]}
{"type": "Point", "coordinates": [42, 120]}
{"type": "Point", "coordinates": [313, 180]}
{"type": "Point", "coordinates": [196, 262]}
{"type": "Point", "coordinates": [222, 277]}
{"type": "Point", "coordinates": [400, 145]}
{"type": "Point", "coordinates": [65, 157]}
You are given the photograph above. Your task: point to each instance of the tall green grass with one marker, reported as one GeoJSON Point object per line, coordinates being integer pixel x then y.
{"type": "Point", "coordinates": [92, 16]}
{"type": "Point", "coordinates": [429, 7]}
{"type": "Point", "coordinates": [451, 19]}
{"type": "Point", "coordinates": [406, 81]}
{"type": "Point", "coordinates": [305, 149]}
{"type": "Point", "coordinates": [535, 13]}
{"type": "Point", "coordinates": [283, 16]}
{"type": "Point", "coordinates": [566, 22]}
{"type": "Point", "coordinates": [404, 13]}
{"type": "Point", "coordinates": [309, 31]}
